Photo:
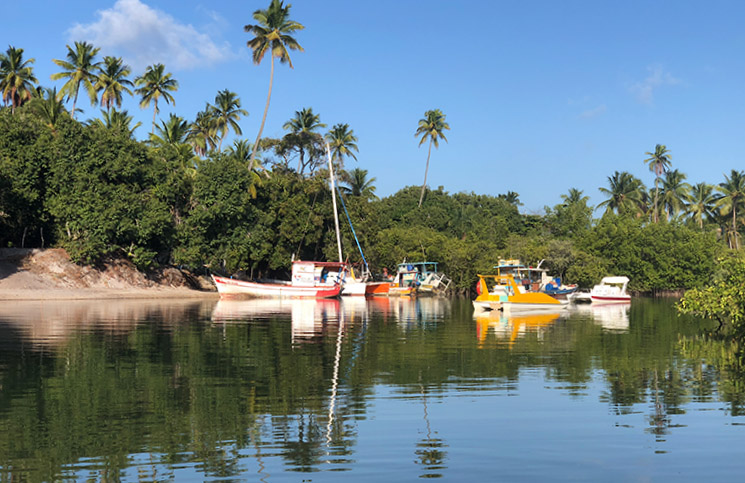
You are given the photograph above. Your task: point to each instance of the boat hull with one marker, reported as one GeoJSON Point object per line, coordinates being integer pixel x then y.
{"type": "Point", "coordinates": [616, 298]}
{"type": "Point", "coordinates": [228, 287]}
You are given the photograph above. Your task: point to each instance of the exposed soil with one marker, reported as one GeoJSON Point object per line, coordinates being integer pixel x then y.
{"type": "Point", "coordinates": [42, 274]}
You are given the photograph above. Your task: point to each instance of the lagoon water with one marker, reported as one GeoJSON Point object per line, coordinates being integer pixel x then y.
{"type": "Point", "coordinates": [364, 390]}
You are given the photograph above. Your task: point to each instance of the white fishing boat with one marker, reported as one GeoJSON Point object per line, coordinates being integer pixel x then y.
{"type": "Point", "coordinates": [611, 289]}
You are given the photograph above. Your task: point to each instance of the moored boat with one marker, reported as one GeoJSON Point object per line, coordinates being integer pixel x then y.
{"type": "Point", "coordinates": [309, 280]}
{"type": "Point", "coordinates": [420, 278]}
{"type": "Point", "coordinates": [501, 291]}
{"type": "Point", "coordinates": [611, 289]}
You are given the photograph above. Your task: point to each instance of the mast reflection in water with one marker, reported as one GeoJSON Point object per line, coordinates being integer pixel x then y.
{"type": "Point", "coordinates": [366, 389]}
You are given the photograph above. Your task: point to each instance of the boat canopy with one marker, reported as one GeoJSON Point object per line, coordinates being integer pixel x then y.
{"type": "Point", "coordinates": [423, 265]}
{"type": "Point", "coordinates": [614, 280]}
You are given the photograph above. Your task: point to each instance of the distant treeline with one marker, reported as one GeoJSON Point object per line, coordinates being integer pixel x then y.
{"type": "Point", "coordinates": [98, 193]}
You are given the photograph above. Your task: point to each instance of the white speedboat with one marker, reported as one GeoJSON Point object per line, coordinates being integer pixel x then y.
{"type": "Point", "coordinates": [611, 289]}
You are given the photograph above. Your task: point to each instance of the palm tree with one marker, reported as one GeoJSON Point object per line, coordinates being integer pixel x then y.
{"type": "Point", "coordinates": [431, 127]}
{"type": "Point", "coordinates": [202, 132]}
{"type": "Point", "coordinates": [49, 108]}
{"type": "Point", "coordinates": [227, 113]}
{"type": "Point", "coordinates": [675, 192]}
{"type": "Point", "coordinates": [625, 193]}
{"type": "Point", "coordinates": [272, 33]}
{"type": "Point", "coordinates": [701, 203]}
{"type": "Point", "coordinates": [358, 184]}
{"type": "Point", "coordinates": [659, 163]}
{"type": "Point", "coordinates": [112, 81]}
{"type": "Point", "coordinates": [511, 197]}
{"type": "Point", "coordinates": [171, 132]}
{"type": "Point", "coordinates": [574, 196]}
{"type": "Point", "coordinates": [732, 198]}
{"type": "Point", "coordinates": [241, 151]}
{"type": "Point", "coordinates": [16, 78]}
{"type": "Point", "coordinates": [79, 69]}
{"type": "Point", "coordinates": [303, 129]}
{"type": "Point", "coordinates": [342, 142]}
{"type": "Point", "coordinates": [153, 85]}
{"type": "Point", "coordinates": [116, 121]}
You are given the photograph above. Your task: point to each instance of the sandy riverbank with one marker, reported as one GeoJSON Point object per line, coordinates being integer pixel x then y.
{"type": "Point", "coordinates": [50, 275]}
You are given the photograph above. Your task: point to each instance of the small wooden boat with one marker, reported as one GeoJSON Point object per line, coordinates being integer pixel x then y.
{"type": "Point", "coordinates": [309, 280]}
{"type": "Point", "coordinates": [418, 278]}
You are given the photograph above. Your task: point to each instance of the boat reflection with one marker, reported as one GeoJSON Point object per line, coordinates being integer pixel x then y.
{"type": "Point", "coordinates": [410, 312]}
{"type": "Point", "coordinates": [508, 327]}
{"type": "Point", "coordinates": [610, 316]}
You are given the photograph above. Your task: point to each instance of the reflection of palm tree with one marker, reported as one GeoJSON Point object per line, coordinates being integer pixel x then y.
{"type": "Point", "coordinates": [79, 69]}
{"type": "Point", "coordinates": [272, 33]}
{"type": "Point", "coordinates": [430, 450]}
{"type": "Point", "coordinates": [432, 127]}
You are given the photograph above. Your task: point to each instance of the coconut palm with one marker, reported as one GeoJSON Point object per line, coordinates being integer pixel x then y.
{"type": "Point", "coordinates": [303, 133]}
{"type": "Point", "coordinates": [574, 196]}
{"type": "Point", "coordinates": [241, 151]}
{"type": "Point", "coordinates": [625, 194]}
{"type": "Point", "coordinates": [227, 113]}
{"type": "Point", "coordinates": [272, 33]}
{"type": "Point", "coordinates": [431, 127]}
{"type": "Point", "coordinates": [202, 132]}
{"type": "Point", "coordinates": [16, 78]}
{"type": "Point", "coordinates": [48, 107]}
{"type": "Point", "coordinates": [732, 200]}
{"type": "Point", "coordinates": [701, 203]}
{"type": "Point", "coordinates": [80, 69]}
{"type": "Point", "coordinates": [342, 142]}
{"type": "Point", "coordinates": [659, 162]}
{"type": "Point", "coordinates": [356, 183]}
{"type": "Point", "coordinates": [675, 192]}
{"type": "Point", "coordinates": [511, 197]}
{"type": "Point", "coordinates": [153, 85]}
{"type": "Point", "coordinates": [116, 121]}
{"type": "Point", "coordinates": [112, 81]}
{"type": "Point", "coordinates": [171, 132]}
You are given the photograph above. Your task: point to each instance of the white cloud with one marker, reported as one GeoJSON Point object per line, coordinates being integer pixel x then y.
{"type": "Point", "coordinates": [143, 36]}
{"type": "Point", "coordinates": [594, 112]}
{"type": "Point", "coordinates": [644, 90]}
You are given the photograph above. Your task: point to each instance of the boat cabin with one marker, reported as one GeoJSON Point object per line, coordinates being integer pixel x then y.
{"type": "Point", "coordinates": [313, 274]}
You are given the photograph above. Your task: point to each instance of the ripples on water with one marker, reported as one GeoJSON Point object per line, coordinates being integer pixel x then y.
{"type": "Point", "coordinates": [365, 389]}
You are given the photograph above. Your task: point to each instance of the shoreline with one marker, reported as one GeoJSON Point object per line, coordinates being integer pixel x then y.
{"type": "Point", "coordinates": [104, 293]}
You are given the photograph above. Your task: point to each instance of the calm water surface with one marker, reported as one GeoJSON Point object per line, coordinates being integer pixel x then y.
{"type": "Point", "coordinates": [367, 390]}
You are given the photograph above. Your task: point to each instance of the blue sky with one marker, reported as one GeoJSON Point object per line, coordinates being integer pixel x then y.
{"type": "Point", "coordinates": [541, 96]}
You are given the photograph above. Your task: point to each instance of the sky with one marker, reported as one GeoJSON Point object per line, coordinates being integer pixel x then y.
{"type": "Point", "coordinates": [541, 95]}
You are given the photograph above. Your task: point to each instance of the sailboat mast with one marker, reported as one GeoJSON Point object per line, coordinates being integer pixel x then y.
{"type": "Point", "coordinates": [333, 200]}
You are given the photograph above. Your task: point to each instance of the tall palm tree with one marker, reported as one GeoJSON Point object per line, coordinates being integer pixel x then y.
{"type": "Point", "coordinates": [342, 142]}
{"type": "Point", "coordinates": [16, 78]}
{"type": "Point", "coordinates": [303, 129]}
{"type": "Point", "coordinates": [48, 107]}
{"type": "Point", "coordinates": [112, 81]}
{"type": "Point", "coordinates": [431, 127]}
{"type": "Point", "coordinates": [272, 33]}
{"type": "Point", "coordinates": [732, 199]}
{"type": "Point", "coordinates": [659, 162]}
{"type": "Point", "coordinates": [202, 132]}
{"type": "Point", "coordinates": [227, 113]}
{"type": "Point", "coordinates": [356, 183]}
{"type": "Point", "coordinates": [80, 68]}
{"type": "Point", "coordinates": [153, 85]}
{"type": "Point", "coordinates": [701, 203]}
{"type": "Point", "coordinates": [675, 192]}
{"type": "Point", "coordinates": [625, 193]}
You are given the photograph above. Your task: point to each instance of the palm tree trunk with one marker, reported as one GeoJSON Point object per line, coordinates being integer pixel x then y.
{"type": "Point", "coordinates": [155, 111]}
{"type": "Point", "coordinates": [426, 169]}
{"type": "Point", "coordinates": [74, 101]}
{"type": "Point", "coordinates": [734, 224]}
{"type": "Point", "coordinates": [656, 190]}
{"type": "Point", "coordinates": [263, 119]}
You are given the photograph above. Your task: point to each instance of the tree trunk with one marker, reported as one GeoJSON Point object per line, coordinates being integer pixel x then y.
{"type": "Point", "coordinates": [424, 186]}
{"type": "Point", "coordinates": [251, 162]}
{"type": "Point", "coordinates": [155, 111]}
{"type": "Point", "coordinates": [734, 224]}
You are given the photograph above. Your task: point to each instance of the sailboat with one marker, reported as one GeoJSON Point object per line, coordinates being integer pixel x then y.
{"type": "Point", "coordinates": [353, 284]}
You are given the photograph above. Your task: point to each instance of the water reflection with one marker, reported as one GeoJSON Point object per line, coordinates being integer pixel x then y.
{"type": "Point", "coordinates": [256, 389]}
{"type": "Point", "coordinates": [610, 316]}
{"type": "Point", "coordinates": [510, 327]}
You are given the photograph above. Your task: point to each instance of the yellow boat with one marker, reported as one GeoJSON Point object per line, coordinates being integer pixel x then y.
{"type": "Point", "coordinates": [500, 291]}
